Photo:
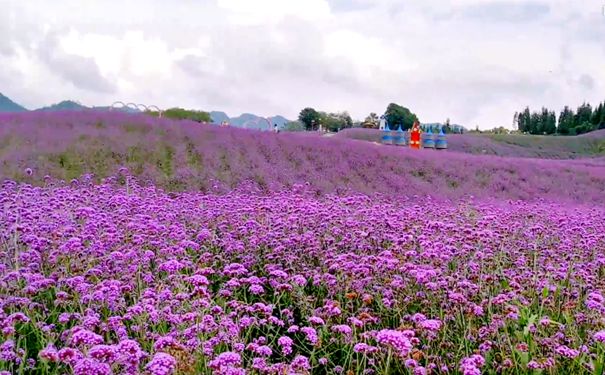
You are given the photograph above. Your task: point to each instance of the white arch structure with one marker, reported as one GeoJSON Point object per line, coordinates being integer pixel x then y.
{"type": "Point", "coordinates": [257, 121]}
{"type": "Point", "coordinates": [137, 107]}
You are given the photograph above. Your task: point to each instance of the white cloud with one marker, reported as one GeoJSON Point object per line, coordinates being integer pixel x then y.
{"type": "Point", "coordinates": [474, 61]}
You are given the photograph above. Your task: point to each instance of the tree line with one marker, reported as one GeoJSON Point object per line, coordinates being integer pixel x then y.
{"type": "Point", "coordinates": [570, 122]}
{"type": "Point", "coordinates": [395, 115]}
{"type": "Point", "coordinates": [184, 114]}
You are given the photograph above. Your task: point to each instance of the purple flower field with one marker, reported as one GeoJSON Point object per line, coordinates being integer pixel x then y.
{"type": "Point", "coordinates": [202, 250]}
{"type": "Point", "coordinates": [102, 279]}
{"type": "Point", "coordinates": [186, 156]}
{"type": "Point", "coordinates": [546, 147]}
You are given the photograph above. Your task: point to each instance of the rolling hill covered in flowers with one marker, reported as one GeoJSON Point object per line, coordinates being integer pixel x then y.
{"type": "Point", "coordinates": [510, 145]}
{"type": "Point", "coordinates": [185, 155]}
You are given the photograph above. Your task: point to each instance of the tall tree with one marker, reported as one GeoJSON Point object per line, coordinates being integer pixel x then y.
{"type": "Point", "coordinates": [547, 122]}
{"type": "Point", "coordinates": [335, 121]}
{"type": "Point", "coordinates": [294, 126]}
{"type": "Point", "coordinates": [310, 117]}
{"type": "Point", "coordinates": [597, 116]}
{"type": "Point", "coordinates": [397, 115]}
{"type": "Point", "coordinates": [566, 121]}
{"type": "Point", "coordinates": [371, 121]}
{"type": "Point", "coordinates": [551, 123]}
{"type": "Point", "coordinates": [524, 120]}
{"type": "Point", "coordinates": [535, 123]}
{"type": "Point", "coordinates": [583, 115]}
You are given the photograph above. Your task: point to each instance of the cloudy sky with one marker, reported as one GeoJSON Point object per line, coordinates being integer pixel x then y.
{"type": "Point", "coordinates": [474, 61]}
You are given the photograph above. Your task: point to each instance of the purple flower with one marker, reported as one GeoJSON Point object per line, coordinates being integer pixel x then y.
{"type": "Point", "coordinates": [472, 365]}
{"type": "Point", "coordinates": [256, 289]}
{"type": "Point", "coordinates": [301, 363]}
{"type": "Point", "coordinates": [49, 353]}
{"type": "Point", "coordinates": [431, 325]}
{"type": "Point", "coordinates": [226, 360]}
{"type": "Point", "coordinates": [396, 340]}
{"type": "Point", "coordinates": [600, 336]}
{"type": "Point", "coordinates": [103, 353]}
{"type": "Point", "coordinates": [533, 365]}
{"type": "Point", "coordinates": [89, 366]}
{"type": "Point", "coordinates": [364, 348]}
{"type": "Point", "coordinates": [310, 334]}
{"type": "Point", "coordinates": [69, 355]}
{"type": "Point", "coordinates": [264, 351]}
{"type": "Point", "coordinates": [286, 344]}
{"type": "Point", "coordinates": [86, 337]}
{"type": "Point", "coordinates": [343, 329]}
{"type": "Point", "coordinates": [567, 352]}
{"type": "Point", "coordinates": [161, 364]}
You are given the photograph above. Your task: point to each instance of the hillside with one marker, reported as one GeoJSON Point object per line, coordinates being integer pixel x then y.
{"type": "Point", "coordinates": [249, 120]}
{"type": "Point", "coordinates": [190, 156]}
{"type": "Point", "coordinates": [526, 146]}
{"type": "Point", "coordinates": [66, 105]}
{"type": "Point", "coordinates": [7, 105]}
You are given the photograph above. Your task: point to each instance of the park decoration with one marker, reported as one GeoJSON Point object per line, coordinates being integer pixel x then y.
{"type": "Point", "coordinates": [415, 138]}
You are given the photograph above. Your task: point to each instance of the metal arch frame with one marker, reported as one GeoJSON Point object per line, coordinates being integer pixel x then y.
{"type": "Point", "coordinates": [134, 106]}
{"type": "Point", "coordinates": [146, 108]}
{"type": "Point", "coordinates": [257, 121]}
{"type": "Point", "coordinates": [112, 106]}
{"type": "Point", "coordinates": [156, 108]}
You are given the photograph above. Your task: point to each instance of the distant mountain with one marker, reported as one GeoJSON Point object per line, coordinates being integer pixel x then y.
{"type": "Point", "coordinates": [244, 119]}
{"type": "Point", "coordinates": [66, 105]}
{"type": "Point", "coordinates": [123, 109]}
{"type": "Point", "coordinates": [281, 121]}
{"type": "Point", "coordinates": [249, 120]}
{"type": "Point", "coordinates": [7, 105]}
{"type": "Point", "coordinates": [218, 117]}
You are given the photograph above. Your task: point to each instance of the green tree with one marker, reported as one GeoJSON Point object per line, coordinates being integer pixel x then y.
{"type": "Point", "coordinates": [294, 126]}
{"type": "Point", "coordinates": [597, 116]}
{"type": "Point", "coordinates": [335, 121]}
{"type": "Point", "coordinates": [566, 121]}
{"type": "Point", "coordinates": [524, 121]}
{"type": "Point", "coordinates": [583, 115]}
{"type": "Point", "coordinates": [310, 117]}
{"type": "Point", "coordinates": [371, 121]}
{"type": "Point", "coordinates": [184, 114]}
{"type": "Point", "coordinates": [548, 122]}
{"type": "Point", "coordinates": [397, 115]}
{"type": "Point", "coordinates": [535, 123]}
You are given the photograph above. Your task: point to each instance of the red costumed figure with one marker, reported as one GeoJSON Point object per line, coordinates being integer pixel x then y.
{"type": "Point", "coordinates": [415, 136]}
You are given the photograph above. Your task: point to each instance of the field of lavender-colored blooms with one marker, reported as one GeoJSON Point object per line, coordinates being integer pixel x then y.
{"type": "Point", "coordinates": [510, 145]}
{"type": "Point", "coordinates": [181, 156]}
{"type": "Point", "coordinates": [123, 279]}
{"type": "Point", "coordinates": [207, 250]}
